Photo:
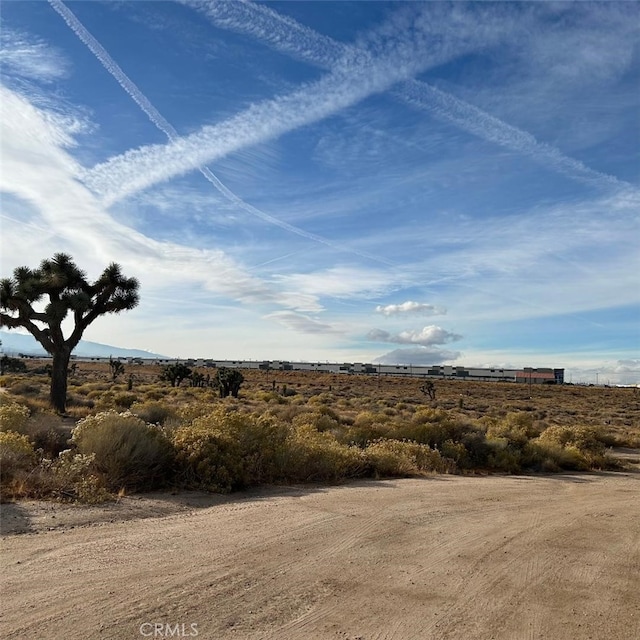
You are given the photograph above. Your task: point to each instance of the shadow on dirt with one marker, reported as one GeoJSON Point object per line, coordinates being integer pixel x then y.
{"type": "Point", "coordinates": [14, 519]}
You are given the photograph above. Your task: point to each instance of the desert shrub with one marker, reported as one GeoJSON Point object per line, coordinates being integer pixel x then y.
{"type": "Point", "coordinates": [475, 443]}
{"type": "Point", "coordinates": [322, 398]}
{"type": "Point", "coordinates": [517, 427]}
{"type": "Point", "coordinates": [224, 451]}
{"type": "Point", "coordinates": [69, 477]}
{"type": "Point", "coordinates": [128, 451]}
{"type": "Point", "coordinates": [318, 420]}
{"type": "Point", "coordinates": [455, 451]}
{"type": "Point", "coordinates": [401, 458]}
{"type": "Point", "coordinates": [368, 418]}
{"type": "Point", "coordinates": [552, 457]}
{"type": "Point", "coordinates": [577, 448]}
{"type": "Point", "coordinates": [24, 388]}
{"type": "Point", "coordinates": [51, 442]}
{"type": "Point", "coordinates": [361, 434]}
{"type": "Point", "coordinates": [124, 399]}
{"type": "Point", "coordinates": [8, 364]}
{"type": "Point", "coordinates": [325, 410]}
{"type": "Point", "coordinates": [286, 413]}
{"type": "Point", "coordinates": [13, 416]}
{"type": "Point", "coordinates": [17, 456]}
{"type": "Point", "coordinates": [271, 397]}
{"type": "Point", "coordinates": [152, 412]}
{"type": "Point", "coordinates": [154, 394]}
{"type": "Point", "coordinates": [503, 456]}
{"type": "Point", "coordinates": [187, 413]}
{"type": "Point", "coordinates": [74, 400]}
{"type": "Point", "coordinates": [311, 456]}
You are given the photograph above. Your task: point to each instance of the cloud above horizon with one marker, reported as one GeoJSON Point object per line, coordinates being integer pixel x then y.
{"type": "Point", "coordinates": [427, 336]}
{"type": "Point", "coordinates": [410, 307]}
{"type": "Point", "coordinates": [418, 356]}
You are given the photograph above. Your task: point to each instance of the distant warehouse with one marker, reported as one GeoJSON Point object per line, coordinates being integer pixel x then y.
{"type": "Point", "coordinates": [526, 375]}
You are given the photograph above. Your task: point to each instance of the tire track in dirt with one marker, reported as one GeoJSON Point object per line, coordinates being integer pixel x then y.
{"type": "Point", "coordinates": [433, 560]}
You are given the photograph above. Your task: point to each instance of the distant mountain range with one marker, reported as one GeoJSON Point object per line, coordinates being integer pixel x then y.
{"type": "Point", "coordinates": [15, 343]}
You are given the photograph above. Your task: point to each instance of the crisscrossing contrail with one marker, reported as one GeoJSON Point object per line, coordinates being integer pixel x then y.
{"type": "Point", "coordinates": [163, 125]}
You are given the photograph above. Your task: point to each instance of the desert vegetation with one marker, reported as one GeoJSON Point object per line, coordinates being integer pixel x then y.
{"type": "Point", "coordinates": [290, 427]}
{"type": "Point", "coordinates": [39, 300]}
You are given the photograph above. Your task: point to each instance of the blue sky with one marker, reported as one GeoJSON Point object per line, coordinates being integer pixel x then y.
{"type": "Point", "coordinates": [418, 183]}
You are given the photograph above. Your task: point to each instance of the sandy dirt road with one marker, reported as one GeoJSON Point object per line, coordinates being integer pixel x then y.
{"type": "Point", "coordinates": [447, 557]}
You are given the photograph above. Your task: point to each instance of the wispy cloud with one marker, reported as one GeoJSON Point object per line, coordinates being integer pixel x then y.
{"type": "Point", "coordinates": [288, 36]}
{"type": "Point", "coordinates": [410, 307]}
{"type": "Point", "coordinates": [29, 58]}
{"type": "Point", "coordinates": [400, 54]}
{"type": "Point", "coordinates": [302, 323]}
{"type": "Point", "coordinates": [163, 125]}
{"type": "Point", "coordinates": [38, 170]}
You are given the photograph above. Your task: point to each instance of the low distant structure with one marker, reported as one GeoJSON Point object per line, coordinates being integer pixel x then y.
{"type": "Point", "coordinates": [527, 375]}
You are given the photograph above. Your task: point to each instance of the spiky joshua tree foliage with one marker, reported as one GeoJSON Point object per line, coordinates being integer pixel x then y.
{"type": "Point", "coordinates": [39, 300]}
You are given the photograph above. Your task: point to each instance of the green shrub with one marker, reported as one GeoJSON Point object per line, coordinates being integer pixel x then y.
{"type": "Point", "coordinates": [130, 452]}
{"type": "Point", "coordinates": [13, 416]}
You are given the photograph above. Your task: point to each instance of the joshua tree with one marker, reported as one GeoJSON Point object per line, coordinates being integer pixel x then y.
{"type": "Point", "coordinates": [65, 290]}
{"type": "Point", "coordinates": [117, 368]}
{"type": "Point", "coordinates": [229, 381]}
{"type": "Point", "coordinates": [429, 389]}
{"type": "Point", "coordinates": [175, 373]}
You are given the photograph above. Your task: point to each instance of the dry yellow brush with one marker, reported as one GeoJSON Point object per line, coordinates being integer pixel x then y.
{"type": "Point", "coordinates": [196, 441]}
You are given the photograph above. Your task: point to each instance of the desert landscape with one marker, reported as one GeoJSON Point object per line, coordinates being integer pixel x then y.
{"type": "Point", "coordinates": [467, 554]}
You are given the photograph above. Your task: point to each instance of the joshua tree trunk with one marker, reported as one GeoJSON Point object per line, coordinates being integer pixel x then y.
{"type": "Point", "coordinates": [58, 395]}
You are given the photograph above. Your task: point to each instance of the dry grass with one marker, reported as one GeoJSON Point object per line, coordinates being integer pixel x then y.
{"type": "Point", "coordinates": [328, 426]}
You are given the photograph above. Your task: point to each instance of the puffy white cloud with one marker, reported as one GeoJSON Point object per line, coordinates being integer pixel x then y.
{"type": "Point", "coordinates": [427, 336]}
{"type": "Point", "coordinates": [409, 306]}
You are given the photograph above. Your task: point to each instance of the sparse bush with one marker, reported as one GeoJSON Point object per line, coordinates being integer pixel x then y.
{"type": "Point", "coordinates": [11, 365]}
{"type": "Point", "coordinates": [319, 420]}
{"type": "Point", "coordinates": [152, 412]}
{"type": "Point", "coordinates": [311, 456]}
{"type": "Point", "coordinates": [13, 416]}
{"type": "Point", "coordinates": [69, 477]}
{"type": "Point", "coordinates": [400, 459]}
{"type": "Point", "coordinates": [24, 388]}
{"type": "Point", "coordinates": [130, 452]}
{"type": "Point", "coordinates": [124, 399]}
{"type": "Point", "coordinates": [17, 456]}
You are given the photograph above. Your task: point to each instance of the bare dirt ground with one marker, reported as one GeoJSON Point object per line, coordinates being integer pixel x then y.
{"type": "Point", "coordinates": [446, 557]}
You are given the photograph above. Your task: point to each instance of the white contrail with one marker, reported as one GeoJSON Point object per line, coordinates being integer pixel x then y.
{"type": "Point", "coordinates": [401, 51]}
{"type": "Point", "coordinates": [161, 123]}
{"type": "Point", "coordinates": [289, 36]}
